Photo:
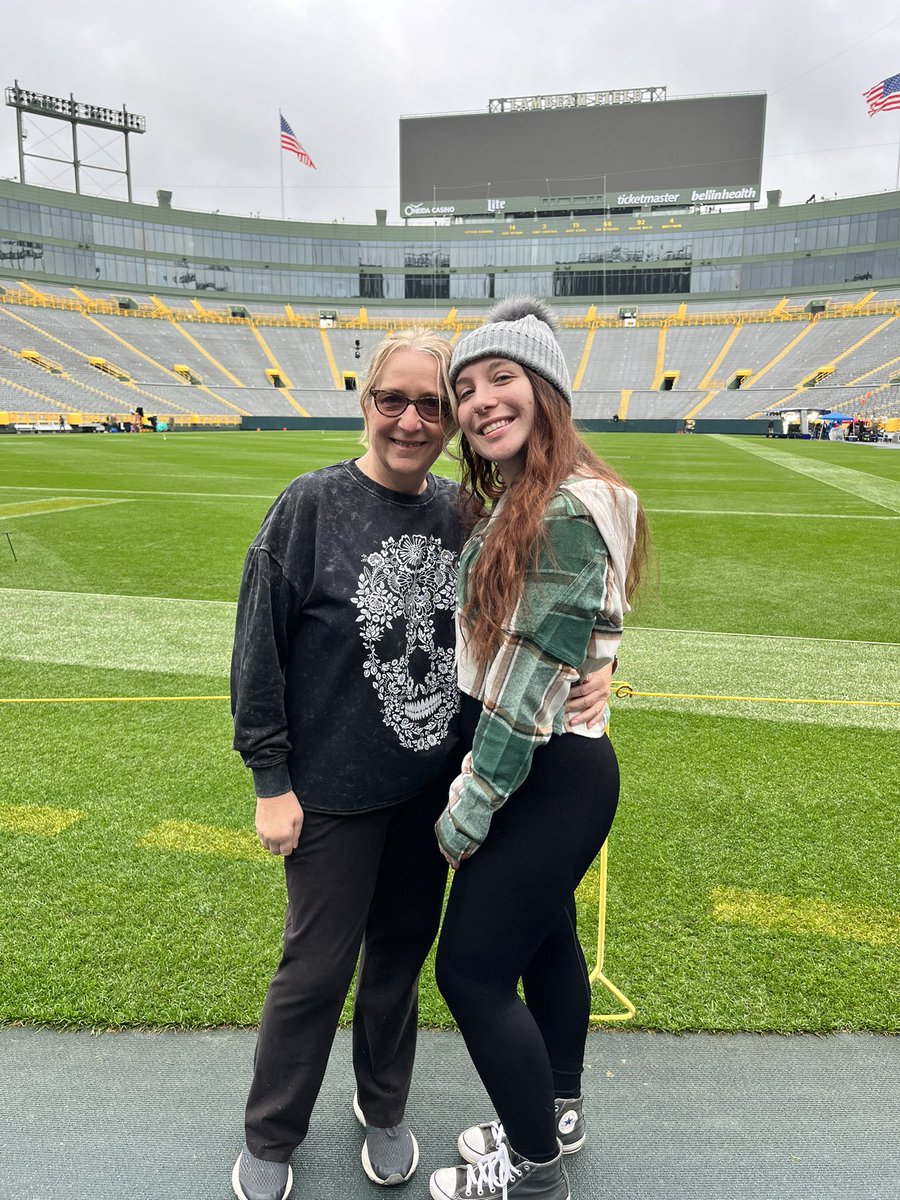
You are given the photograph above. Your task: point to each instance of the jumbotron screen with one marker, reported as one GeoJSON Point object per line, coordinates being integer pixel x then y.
{"type": "Point", "coordinates": [704, 150]}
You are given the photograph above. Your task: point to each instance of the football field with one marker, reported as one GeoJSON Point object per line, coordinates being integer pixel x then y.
{"type": "Point", "coordinates": [753, 864]}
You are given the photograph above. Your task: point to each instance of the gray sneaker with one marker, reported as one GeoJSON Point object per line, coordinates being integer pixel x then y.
{"type": "Point", "coordinates": [389, 1156]}
{"type": "Point", "coordinates": [258, 1179]}
{"type": "Point", "coordinates": [499, 1175]}
{"type": "Point", "coordinates": [479, 1140]}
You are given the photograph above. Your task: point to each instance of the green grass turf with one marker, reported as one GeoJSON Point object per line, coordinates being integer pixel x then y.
{"type": "Point", "coordinates": [789, 802]}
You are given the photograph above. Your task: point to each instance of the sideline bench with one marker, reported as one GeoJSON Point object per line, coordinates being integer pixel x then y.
{"type": "Point", "coordinates": [40, 427]}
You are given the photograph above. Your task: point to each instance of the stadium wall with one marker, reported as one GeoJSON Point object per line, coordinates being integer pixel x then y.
{"type": "Point", "coordinates": [848, 245]}
{"type": "Point", "coordinates": [757, 427]}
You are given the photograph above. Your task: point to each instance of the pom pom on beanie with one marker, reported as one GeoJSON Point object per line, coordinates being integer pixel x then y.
{"type": "Point", "coordinates": [523, 330]}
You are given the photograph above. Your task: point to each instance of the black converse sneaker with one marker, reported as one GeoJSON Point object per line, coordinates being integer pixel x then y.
{"type": "Point", "coordinates": [570, 1127]}
{"type": "Point", "coordinates": [478, 1140]}
{"type": "Point", "coordinates": [502, 1174]}
{"type": "Point", "coordinates": [389, 1156]}
{"type": "Point", "coordinates": [258, 1179]}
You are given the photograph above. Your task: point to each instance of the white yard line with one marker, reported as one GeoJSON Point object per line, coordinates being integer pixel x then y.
{"type": "Point", "coordinates": [181, 637]}
{"type": "Point", "coordinates": [125, 633]}
{"type": "Point", "coordinates": [883, 492]}
{"type": "Point", "coordinates": [113, 596]}
{"type": "Point", "coordinates": [231, 604]}
{"type": "Point", "coordinates": [690, 512]}
{"type": "Point", "coordinates": [769, 637]}
{"type": "Point", "coordinates": [717, 666]}
{"type": "Point", "coordinates": [800, 516]}
{"type": "Point", "coordinates": [10, 487]}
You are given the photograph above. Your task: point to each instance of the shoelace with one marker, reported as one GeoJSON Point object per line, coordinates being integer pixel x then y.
{"type": "Point", "coordinates": [497, 1133]}
{"type": "Point", "coordinates": [494, 1170]}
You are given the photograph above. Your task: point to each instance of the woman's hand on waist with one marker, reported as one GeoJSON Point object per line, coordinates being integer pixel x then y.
{"type": "Point", "coordinates": [589, 697]}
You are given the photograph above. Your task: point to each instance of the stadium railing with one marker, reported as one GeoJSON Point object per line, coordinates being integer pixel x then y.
{"type": "Point", "coordinates": [157, 309]}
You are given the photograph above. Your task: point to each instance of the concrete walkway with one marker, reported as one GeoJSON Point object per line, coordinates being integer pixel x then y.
{"type": "Point", "coordinates": [141, 1116]}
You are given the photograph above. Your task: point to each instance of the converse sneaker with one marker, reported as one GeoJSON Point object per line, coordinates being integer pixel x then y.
{"type": "Point", "coordinates": [570, 1127]}
{"type": "Point", "coordinates": [258, 1179]}
{"type": "Point", "coordinates": [479, 1140]}
{"type": "Point", "coordinates": [389, 1156]}
{"type": "Point", "coordinates": [571, 1133]}
{"type": "Point", "coordinates": [502, 1174]}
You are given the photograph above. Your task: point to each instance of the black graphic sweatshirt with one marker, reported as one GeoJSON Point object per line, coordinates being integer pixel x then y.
{"type": "Point", "coordinates": [343, 679]}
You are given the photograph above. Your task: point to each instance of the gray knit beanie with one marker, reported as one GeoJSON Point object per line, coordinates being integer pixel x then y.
{"type": "Point", "coordinates": [522, 329]}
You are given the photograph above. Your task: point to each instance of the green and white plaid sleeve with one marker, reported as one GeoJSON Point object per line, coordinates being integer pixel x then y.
{"type": "Point", "coordinates": [528, 681]}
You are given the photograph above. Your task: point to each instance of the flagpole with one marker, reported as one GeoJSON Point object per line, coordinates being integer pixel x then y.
{"type": "Point", "coordinates": [897, 182]}
{"type": "Point", "coordinates": [281, 163]}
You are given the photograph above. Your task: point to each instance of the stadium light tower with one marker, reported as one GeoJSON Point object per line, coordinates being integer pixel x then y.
{"type": "Point", "coordinates": [56, 107]}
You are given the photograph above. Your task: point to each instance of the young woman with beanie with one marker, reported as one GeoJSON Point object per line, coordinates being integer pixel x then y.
{"type": "Point", "coordinates": [544, 584]}
{"type": "Point", "coordinates": [345, 704]}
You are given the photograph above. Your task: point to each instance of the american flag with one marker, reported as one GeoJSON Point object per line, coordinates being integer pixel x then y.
{"type": "Point", "coordinates": [883, 96]}
{"type": "Point", "coordinates": [289, 142]}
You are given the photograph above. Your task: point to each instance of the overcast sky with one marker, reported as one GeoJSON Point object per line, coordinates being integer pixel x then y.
{"type": "Point", "coordinates": [211, 75]}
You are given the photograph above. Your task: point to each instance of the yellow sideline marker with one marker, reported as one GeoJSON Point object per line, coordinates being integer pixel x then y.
{"type": "Point", "coordinates": [849, 922]}
{"type": "Point", "coordinates": [194, 838]}
{"type": "Point", "coordinates": [598, 886]}
{"type": "Point", "coordinates": [621, 691]}
{"type": "Point", "coordinates": [101, 699]}
{"type": "Point", "coordinates": [54, 504]}
{"type": "Point", "coordinates": [37, 820]}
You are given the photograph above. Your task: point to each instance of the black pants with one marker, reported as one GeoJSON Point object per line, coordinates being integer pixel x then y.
{"type": "Point", "coordinates": [375, 879]}
{"type": "Point", "coordinates": [511, 916]}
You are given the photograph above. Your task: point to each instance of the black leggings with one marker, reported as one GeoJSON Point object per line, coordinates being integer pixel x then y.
{"type": "Point", "coordinates": [511, 916]}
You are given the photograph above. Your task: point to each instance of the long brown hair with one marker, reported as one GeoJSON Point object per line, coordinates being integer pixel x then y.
{"type": "Point", "coordinates": [517, 534]}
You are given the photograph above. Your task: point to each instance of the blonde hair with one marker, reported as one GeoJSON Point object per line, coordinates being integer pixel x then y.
{"type": "Point", "coordinates": [416, 337]}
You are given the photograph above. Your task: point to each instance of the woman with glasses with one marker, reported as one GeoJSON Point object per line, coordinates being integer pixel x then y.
{"type": "Point", "coordinates": [345, 702]}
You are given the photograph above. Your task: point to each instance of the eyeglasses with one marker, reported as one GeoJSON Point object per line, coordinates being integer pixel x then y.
{"type": "Point", "coordinates": [394, 404]}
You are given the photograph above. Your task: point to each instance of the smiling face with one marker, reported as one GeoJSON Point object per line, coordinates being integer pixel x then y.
{"type": "Point", "coordinates": [403, 449]}
{"type": "Point", "coordinates": [495, 402]}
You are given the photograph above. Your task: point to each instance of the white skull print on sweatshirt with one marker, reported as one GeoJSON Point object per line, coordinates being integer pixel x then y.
{"type": "Point", "coordinates": [409, 580]}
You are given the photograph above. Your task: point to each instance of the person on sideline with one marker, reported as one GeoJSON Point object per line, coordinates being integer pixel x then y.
{"type": "Point", "coordinates": [544, 583]}
{"type": "Point", "coordinates": [345, 704]}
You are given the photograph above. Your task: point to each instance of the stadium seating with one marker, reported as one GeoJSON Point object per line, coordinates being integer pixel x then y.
{"type": "Point", "coordinates": [679, 360]}
{"type": "Point", "coordinates": [621, 358]}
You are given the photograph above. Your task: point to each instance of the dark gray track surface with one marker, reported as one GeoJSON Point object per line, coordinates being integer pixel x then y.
{"type": "Point", "coordinates": [140, 1116]}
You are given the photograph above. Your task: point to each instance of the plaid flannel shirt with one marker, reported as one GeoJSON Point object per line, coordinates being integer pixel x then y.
{"type": "Point", "coordinates": [569, 617]}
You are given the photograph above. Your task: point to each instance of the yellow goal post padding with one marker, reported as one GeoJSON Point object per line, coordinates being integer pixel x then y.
{"type": "Point", "coordinates": [597, 976]}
